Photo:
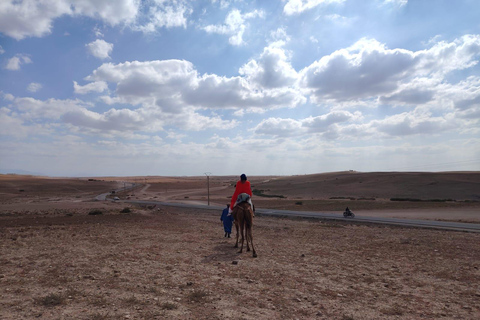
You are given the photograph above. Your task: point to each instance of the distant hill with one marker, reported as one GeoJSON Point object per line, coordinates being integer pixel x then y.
{"type": "Point", "coordinates": [19, 172]}
{"type": "Point", "coordinates": [379, 185]}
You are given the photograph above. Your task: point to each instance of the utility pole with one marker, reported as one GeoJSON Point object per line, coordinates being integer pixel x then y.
{"type": "Point", "coordinates": [208, 186]}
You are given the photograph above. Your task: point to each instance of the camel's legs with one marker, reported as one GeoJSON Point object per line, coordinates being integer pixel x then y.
{"type": "Point", "coordinates": [251, 240]}
{"type": "Point", "coordinates": [242, 233]}
{"type": "Point", "coordinates": [247, 236]}
{"type": "Point", "coordinates": [236, 228]}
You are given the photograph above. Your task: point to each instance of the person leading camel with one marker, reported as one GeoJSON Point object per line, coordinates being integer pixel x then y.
{"type": "Point", "coordinates": [227, 221]}
{"type": "Point", "coordinates": [243, 193]}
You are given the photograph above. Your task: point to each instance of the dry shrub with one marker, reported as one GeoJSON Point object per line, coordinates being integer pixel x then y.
{"type": "Point", "coordinates": [197, 296]}
{"type": "Point", "coordinates": [51, 300]}
{"type": "Point", "coordinates": [169, 306]}
{"type": "Point", "coordinates": [395, 310]}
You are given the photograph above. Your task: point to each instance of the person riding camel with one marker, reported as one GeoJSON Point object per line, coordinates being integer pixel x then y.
{"type": "Point", "coordinates": [243, 193]}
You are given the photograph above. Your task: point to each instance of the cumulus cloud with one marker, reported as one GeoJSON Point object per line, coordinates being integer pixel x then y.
{"type": "Point", "coordinates": [405, 124]}
{"type": "Point", "coordinates": [100, 49]}
{"type": "Point", "coordinates": [234, 26]}
{"type": "Point", "coordinates": [96, 86]}
{"type": "Point", "coordinates": [368, 69]}
{"type": "Point", "coordinates": [16, 62]}
{"type": "Point", "coordinates": [78, 116]}
{"type": "Point", "coordinates": [34, 18]}
{"type": "Point", "coordinates": [34, 87]}
{"type": "Point", "coordinates": [174, 85]}
{"type": "Point", "coordinates": [165, 15]}
{"type": "Point", "coordinates": [11, 125]}
{"type": "Point", "coordinates": [272, 70]}
{"type": "Point", "coordinates": [398, 3]}
{"type": "Point", "coordinates": [279, 127]}
{"type": "Point", "coordinates": [299, 6]}
{"type": "Point", "coordinates": [2, 51]}
{"type": "Point", "coordinates": [33, 109]}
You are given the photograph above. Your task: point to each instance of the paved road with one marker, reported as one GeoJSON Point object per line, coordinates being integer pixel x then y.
{"type": "Point", "coordinates": [457, 226]}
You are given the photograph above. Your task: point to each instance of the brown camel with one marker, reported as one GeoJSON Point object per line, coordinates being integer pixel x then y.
{"type": "Point", "coordinates": [243, 218]}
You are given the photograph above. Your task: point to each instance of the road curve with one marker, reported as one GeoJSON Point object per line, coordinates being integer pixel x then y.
{"type": "Point", "coordinates": [432, 224]}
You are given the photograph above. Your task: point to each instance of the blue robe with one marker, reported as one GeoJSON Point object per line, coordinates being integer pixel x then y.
{"type": "Point", "coordinates": [227, 220]}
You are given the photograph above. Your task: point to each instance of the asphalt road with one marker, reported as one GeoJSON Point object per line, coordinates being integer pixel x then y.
{"type": "Point", "coordinates": [432, 224]}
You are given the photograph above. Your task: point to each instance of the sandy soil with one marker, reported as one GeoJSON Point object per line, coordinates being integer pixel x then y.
{"type": "Point", "coordinates": [59, 262]}
{"type": "Point", "coordinates": [175, 264]}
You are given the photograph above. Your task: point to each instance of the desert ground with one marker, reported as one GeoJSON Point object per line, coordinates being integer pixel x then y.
{"type": "Point", "coordinates": [64, 255]}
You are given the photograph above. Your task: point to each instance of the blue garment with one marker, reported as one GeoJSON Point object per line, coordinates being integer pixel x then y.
{"type": "Point", "coordinates": [227, 220]}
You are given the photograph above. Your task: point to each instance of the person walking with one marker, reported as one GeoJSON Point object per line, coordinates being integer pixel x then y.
{"type": "Point", "coordinates": [227, 221]}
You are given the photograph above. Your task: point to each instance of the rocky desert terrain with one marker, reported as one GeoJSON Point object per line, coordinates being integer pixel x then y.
{"type": "Point", "coordinates": [64, 255]}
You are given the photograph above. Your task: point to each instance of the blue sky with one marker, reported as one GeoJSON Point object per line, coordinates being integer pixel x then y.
{"type": "Point", "coordinates": [159, 87]}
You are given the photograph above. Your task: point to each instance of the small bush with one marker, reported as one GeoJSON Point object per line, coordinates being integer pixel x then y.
{"type": "Point", "coordinates": [95, 212]}
{"type": "Point", "coordinates": [197, 296]}
{"type": "Point", "coordinates": [299, 203]}
{"type": "Point", "coordinates": [169, 306]}
{"type": "Point", "coordinates": [405, 199]}
{"type": "Point", "coordinates": [126, 210]}
{"type": "Point", "coordinates": [342, 198]}
{"type": "Point", "coordinates": [260, 193]}
{"type": "Point", "coordinates": [51, 300]}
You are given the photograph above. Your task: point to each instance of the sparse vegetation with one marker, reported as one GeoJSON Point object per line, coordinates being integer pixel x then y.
{"type": "Point", "coordinates": [197, 296]}
{"type": "Point", "coordinates": [51, 300]}
{"type": "Point", "coordinates": [95, 212]}
{"type": "Point", "coordinates": [261, 193]}
{"type": "Point", "coordinates": [420, 200]}
{"type": "Point", "coordinates": [169, 306]}
{"type": "Point", "coordinates": [126, 210]}
{"type": "Point", "coordinates": [342, 198]}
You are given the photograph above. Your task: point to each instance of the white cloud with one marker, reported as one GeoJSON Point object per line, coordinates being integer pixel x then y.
{"type": "Point", "coordinates": [278, 127]}
{"type": "Point", "coordinates": [34, 87]}
{"type": "Point", "coordinates": [34, 18]}
{"type": "Point", "coordinates": [16, 62]}
{"type": "Point", "coordinates": [32, 109]}
{"type": "Point", "coordinates": [272, 70]}
{"type": "Point", "coordinates": [368, 69]}
{"type": "Point", "coordinates": [96, 86]}
{"type": "Point", "coordinates": [100, 49]}
{"type": "Point", "coordinates": [397, 3]}
{"type": "Point", "coordinates": [2, 51]}
{"type": "Point", "coordinates": [165, 15]}
{"type": "Point", "coordinates": [234, 26]}
{"type": "Point", "coordinates": [173, 86]}
{"type": "Point", "coordinates": [299, 6]}
{"type": "Point", "coordinates": [8, 96]}
{"type": "Point", "coordinates": [11, 125]}
{"type": "Point", "coordinates": [413, 124]}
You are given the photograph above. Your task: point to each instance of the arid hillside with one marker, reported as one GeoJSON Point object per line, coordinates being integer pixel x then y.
{"type": "Point", "coordinates": [379, 185]}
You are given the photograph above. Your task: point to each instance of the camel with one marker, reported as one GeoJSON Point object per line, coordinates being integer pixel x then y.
{"type": "Point", "coordinates": [243, 218]}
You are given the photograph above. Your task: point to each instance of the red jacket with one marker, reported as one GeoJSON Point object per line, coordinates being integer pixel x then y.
{"type": "Point", "coordinates": [240, 188]}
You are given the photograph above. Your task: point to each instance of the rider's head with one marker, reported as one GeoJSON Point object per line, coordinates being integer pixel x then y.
{"type": "Point", "coordinates": [243, 177]}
